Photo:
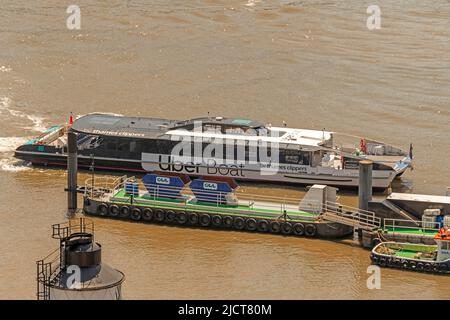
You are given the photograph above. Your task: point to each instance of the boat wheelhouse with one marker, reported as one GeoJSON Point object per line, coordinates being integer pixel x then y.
{"type": "Point", "coordinates": [216, 146]}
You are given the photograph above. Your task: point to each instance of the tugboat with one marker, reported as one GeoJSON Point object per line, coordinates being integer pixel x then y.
{"type": "Point", "coordinates": [218, 147]}
{"type": "Point", "coordinates": [415, 257]}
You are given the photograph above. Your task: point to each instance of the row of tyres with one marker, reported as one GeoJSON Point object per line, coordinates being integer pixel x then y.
{"type": "Point", "coordinates": [203, 219]}
{"type": "Point", "coordinates": [171, 187]}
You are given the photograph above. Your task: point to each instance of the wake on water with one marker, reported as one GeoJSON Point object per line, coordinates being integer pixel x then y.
{"type": "Point", "coordinates": [9, 144]}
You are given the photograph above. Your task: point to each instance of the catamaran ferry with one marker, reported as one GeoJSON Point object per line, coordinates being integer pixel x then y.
{"type": "Point", "coordinates": [219, 147]}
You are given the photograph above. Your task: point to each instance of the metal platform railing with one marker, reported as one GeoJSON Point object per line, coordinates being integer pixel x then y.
{"type": "Point", "coordinates": [49, 268]}
{"type": "Point", "coordinates": [394, 225]}
{"type": "Point", "coordinates": [359, 219]}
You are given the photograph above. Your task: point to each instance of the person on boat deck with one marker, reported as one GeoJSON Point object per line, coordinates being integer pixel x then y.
{"type": "Point", "coordinates": [440, 220]}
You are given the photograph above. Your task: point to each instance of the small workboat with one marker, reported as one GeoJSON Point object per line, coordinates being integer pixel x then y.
{"type": "Point", "coordinates": [414, 256]}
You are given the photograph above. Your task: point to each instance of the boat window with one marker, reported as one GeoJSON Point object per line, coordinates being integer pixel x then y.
{"type": "Point", "coordinates": [124, 145]}
{"type": "Point", "coordinates": [295, 156]}
{"type": "Point", "coordinates": [111, 145]}
{"type": "Point", "coordinates": [212, 128]}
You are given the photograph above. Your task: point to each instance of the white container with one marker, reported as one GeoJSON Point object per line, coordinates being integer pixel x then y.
{"type": "Point", "coordinates": [432, 212]}
{"type": "Point", "coordinates": [429, 222]}
{"type": "Point", "coordinates": [447, 221]}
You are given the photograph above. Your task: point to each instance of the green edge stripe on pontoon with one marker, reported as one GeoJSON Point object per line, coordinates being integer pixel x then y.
{"type": "Point", "coordinates": [296, 215]}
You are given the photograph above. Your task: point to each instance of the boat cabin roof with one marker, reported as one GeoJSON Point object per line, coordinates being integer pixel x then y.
{"type": "Point", "coordinates": [141, 127]}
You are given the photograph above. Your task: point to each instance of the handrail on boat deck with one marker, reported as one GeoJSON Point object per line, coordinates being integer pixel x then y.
{"type": "Point", "coordinates": [413, 225]}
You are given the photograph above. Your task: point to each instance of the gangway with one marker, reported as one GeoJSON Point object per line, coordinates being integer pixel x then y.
{"type": "Point", "coordinates": [357, 218]}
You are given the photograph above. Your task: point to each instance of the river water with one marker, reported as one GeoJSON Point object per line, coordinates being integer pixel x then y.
{"type": "Point", "coordinates": [313, 64]}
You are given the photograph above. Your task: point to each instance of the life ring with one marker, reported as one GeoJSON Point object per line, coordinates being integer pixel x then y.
{"type": "Point", "coordinates": [216, 220]}
{"type": "Point", "coordinates": [286, 228]}
{"type": "Point", "coordinates": [275, 227]}
{"type": "Point", "coordinates": [136, 214]}
{"type": "Point", "coordinates": [250, 224]}
{"type": "Point", "coordinates": [160, 215]}
{"type": "Point", "coordinates": [205, 220]}
{"type": "Point", "coordinates": [238, 223]}
{"type": "Point", "coordinates": [103, 209]}
{"type": "Point", "coordinates": [193, 218]}
{"type": "Point", "coordinates": [147, 214]}
{"type": "Point", "coordinates": [170, 216]}
{"type": "Point", "coordinates": [228, 221]}
{"type": "Point", "coordinates": [310, 230]}
{"type": "Point", "coordinates": [114, 210]}
{"type": "Point", "coordinates": [182, 218]}
{"type": "Point", "coordinates": [125, 212]}
{"type": "Point", "coordinates": [263, 225]}
{"type": "Point", "coordinates": [298, 229]}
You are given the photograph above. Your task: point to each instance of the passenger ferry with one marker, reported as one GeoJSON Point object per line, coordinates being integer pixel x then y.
{"type": "Point", "coordinates": [216, 146]}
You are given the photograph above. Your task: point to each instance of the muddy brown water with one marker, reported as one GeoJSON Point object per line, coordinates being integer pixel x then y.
{"type": "Point", "coordinates": [313, 64]}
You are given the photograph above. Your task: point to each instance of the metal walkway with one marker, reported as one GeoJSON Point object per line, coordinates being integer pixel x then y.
{"type": "Point", "coordinates": [358, 219]}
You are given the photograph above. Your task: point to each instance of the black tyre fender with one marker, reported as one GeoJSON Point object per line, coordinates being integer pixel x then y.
{"type": "Point", "coordinates": [160, 215]}
{"type": "Point", "coordinates": [263, 225]}
{"type": "Point", "coordinates": [87, 202]}
{"type": "Point", "coordinates": [147, 214]}
{"type": "Point", "coordinates": [193, 218]}
{"type": "Point", "coordinates": [428, 267]}
{"type": "Point", "coordinates": [286, 228]}
{"type": "Point", "coordinates": [275, 227]}
{"type": "Point", "coordinates": [239, 223]}
{"type": "Point", "coordinates": [103, 209]}
{"type": "Point", "coordinates": [382, 261]}
{"type": "Point", "coordinates": [420, 266]}
{"type": "Point", "coordinates": [412, 265]}
{"type": "Point", "coordinates": [136, 214]}
{"type": "Point", "coordinates": [310, 230]}
{"type": "Point", "coordinates": [374, 258]}
{"type": "Point", "coordinates": [216, 220]}
{"type": "Point", "coordinates": [170, 216]}
{"type": "Point", "coordinates": [125, 212]}
{"type": "Point", "coordinates": [182, 218]}
{"type": "Point", "coordinates": [250, 224]}
{"type": "Point", "coordinates": [443, 267]}
{"type": "Point", "coordinates": [298, 229]}
{"type": "Point", "coordinates": [114, 210]}
{"type": "Point", "coordinates": [227, 221]}
{"type": "Point", "coordinates": [205, 220]}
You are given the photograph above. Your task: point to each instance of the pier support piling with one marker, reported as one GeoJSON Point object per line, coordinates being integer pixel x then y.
{"type": "Point", "coordinates": [365, 184]}
{"type": "Point", "coordinates": [72, 167]}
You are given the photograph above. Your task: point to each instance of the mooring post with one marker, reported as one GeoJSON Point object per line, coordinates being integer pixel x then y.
{"type": "Point", "coordinates": [72, 166]}
{"type": "Point", "coordinates": [365, 183]}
